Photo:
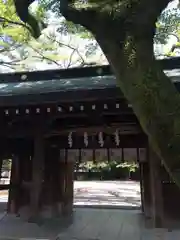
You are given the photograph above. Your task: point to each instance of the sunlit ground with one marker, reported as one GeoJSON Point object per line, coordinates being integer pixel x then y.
{"type": "Point", "coordinates": [107, 193]}
{"type": "Point", "coordinates": [102, 193]}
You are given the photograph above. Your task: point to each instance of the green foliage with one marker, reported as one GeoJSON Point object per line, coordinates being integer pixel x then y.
{"type": "Point", "coordinates": [11, 27]}
{"type": "Point", "coordinates": [131, 166]}
{"type": "Point", "coordinates": [107, 166]}
{"type": "Point", "coordinates": [17, 43]}
{"type": "Point", "coordinates": [94, 166]}
{"type": "Point", "coordinates": [40, 13]}
{"type": "Point", "coordinates": [168, 23]}
{"type": "Point", "coordinates": [65, 27]}
{"type": "Point", "coordinates": [6, 166]}
{"type": "Point", "coordinates": [13, 32]}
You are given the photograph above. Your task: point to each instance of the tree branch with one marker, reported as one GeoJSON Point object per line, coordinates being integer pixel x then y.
{"type": "Point", "coordinates": [68, 46]}
{"type": "Point", "coordinates": [83, 16]}
{"type": "Point", "coordinates": [70, 59]}
{"type": "Point", "coordinates": [23, 13]}
{"type": "Point", "coordinates": [176, 36]}
{"type": "Point", "coordinates": [174, 47]}
{"type": "Point", "coordinates": [11, 64]}
{"type": "Point", "coordinates": [3, 19]}
{"type": "Point", "coordinates": [42, 56]}
{"type": "Point", "coordinates": [128, 16]}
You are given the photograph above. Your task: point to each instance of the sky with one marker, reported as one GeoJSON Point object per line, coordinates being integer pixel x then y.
{"type": "Point", "coordinates": [78, 43]}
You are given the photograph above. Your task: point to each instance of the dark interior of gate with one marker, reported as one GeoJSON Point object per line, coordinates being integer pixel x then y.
{"type": "Point", "coordinates": [45, 117]}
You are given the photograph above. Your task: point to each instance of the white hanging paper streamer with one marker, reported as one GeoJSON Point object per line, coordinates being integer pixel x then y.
{"type": "Point", "coordinates": [101, 140]}
{"type": "Point", "coordinates": [86, 139]}
{"type": "Point", "coordinates": [70, 141]}
{"type": "Point", "coordinates": [117, 140]}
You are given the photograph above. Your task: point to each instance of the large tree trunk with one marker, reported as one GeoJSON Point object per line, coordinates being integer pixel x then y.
{"type": "Point", "coordinates": [126, 38]}
{"type": "Point", "coordinates": [154, 98]}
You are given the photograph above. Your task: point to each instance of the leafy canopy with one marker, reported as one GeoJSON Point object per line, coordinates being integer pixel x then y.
{"type": "Point", "coordinates": [16, 36]}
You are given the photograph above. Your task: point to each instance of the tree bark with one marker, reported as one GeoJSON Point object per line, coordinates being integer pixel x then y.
{"type": "Point", "coordinates": [154, 98]}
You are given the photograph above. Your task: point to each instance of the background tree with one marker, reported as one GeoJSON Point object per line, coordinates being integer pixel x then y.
{"type": "Point", "coordinates": [167, 27]}
{"type": "Point", "coordinates": [14, 35]}
{"type": "Point", "coordinates": [19, 51]}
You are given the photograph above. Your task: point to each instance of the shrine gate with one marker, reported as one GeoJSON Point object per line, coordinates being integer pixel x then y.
{"type": "Point", "coordinates": [44, 115]}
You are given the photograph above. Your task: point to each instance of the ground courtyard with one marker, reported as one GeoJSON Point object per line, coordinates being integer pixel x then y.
{"type": "Point", "coordinates": [102, 211]}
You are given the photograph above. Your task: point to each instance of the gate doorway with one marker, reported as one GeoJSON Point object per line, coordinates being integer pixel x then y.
{"type": "Point", "coordinates": [108, 177]}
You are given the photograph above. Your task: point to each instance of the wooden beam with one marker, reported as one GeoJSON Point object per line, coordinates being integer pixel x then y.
{"type": "Point", "coordinates": [109, 129]}
{"type": "Point", "coordinates": [5, 186]}
{"type": "Point", "coordinates": [126, 141]}
{"type": "Point", "coordinates": [27, 131]}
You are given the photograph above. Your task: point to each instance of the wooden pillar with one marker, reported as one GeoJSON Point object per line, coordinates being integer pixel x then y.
{"type": "Point", "coordinates": [25, 179]}
{"type": "Point", "coordinates": [13, 198]}
{"type": "Point", "coordinates": [108, 155]}
{"type": "Point", "coordinates": [145, 182]}
{"type": "Point", "coordinates": [1, 162]}
{"type": "Point", "coordinates": [20, 178]}
{"type": "Point", "coordinates": [146, 189]}
{"type": "Point", "coordinates": [156, 189]}
{"type": "Point", "coordinates": [62, 177]}
{"type": "Point", "coordinates": [141, 187]}
{"type": "Point", "coordinates": [141, 182]}
{"type": "Point", "coordinates": [52, 184]}
{"type": "Point", "coordinates": [37, 176]}
{"type": "Point", "coordinates": [58, 189]}
{"type": "Point", "coordinates": [68, 185]}
{"type": "Point", "coordinates": [94, 155]}
{"type": "Point", "coordinates": [56, 184]}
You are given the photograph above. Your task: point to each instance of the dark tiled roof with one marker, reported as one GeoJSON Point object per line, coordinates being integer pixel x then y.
{"type": "Point", "coordinates": [70, 84]}
{"type": "Point", "coordinates": [56, 85]}
{"type": "Point", "coordinates": [53, 85]}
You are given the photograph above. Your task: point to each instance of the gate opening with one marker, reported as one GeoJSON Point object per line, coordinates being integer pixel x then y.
{"type": "Point", "coordinates": [106, 177]}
